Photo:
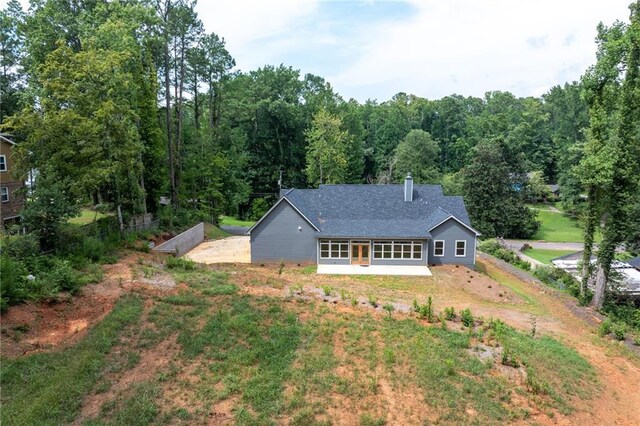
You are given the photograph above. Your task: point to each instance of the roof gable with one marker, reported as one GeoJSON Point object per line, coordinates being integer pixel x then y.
{"type": "Point", "coordinates": [283, 199]}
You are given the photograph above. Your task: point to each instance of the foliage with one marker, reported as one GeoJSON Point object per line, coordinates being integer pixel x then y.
{"type": "Point", "coordinates": [494, 189]}
{"type": "Point", "coordinates": [449, 313]}
{"type": "Point", "coordinates": [181, 264]}
{"type": "Point", "coordinates": [466, 317]}
{"type": "Point", "coordinates": [417, 154]}
{"type": "Point", "coordinates": [495, 248]}
{"type": "Point", "coordinates": [327, 151]}
{"type": "Point", "coordinates": [49, 208]}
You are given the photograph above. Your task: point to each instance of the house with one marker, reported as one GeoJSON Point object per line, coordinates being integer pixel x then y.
{"type": "Point", "coordinates": [389, 229]}
{"type": "Point", "coordinates": [11, 201]}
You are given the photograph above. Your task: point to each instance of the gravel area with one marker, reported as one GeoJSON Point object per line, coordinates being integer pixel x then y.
{"type": "Point", "coordinates": [227, 250]}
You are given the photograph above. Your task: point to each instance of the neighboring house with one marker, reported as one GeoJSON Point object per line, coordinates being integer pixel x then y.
{"type": "Point", "coordinates": [11, 202]}
{"type": "Point", "coordinates": [635, 262]}
{"type": "Point", "coordinates": [366, 225]}
{"type": "Point", "coordinates": [554, 189]}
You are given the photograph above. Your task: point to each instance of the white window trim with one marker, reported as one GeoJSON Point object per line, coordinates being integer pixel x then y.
{"type": "Point", "coordinates": [4, 162]}
{"type": "Point", "coordinates": [435, 248]}
{"type": "Point", "coordinates": [7, 200]}
{"type": "Point", "coordinates": [339, 242]}
{"type": "Point", "coordinates": [465, 248]}
{"type": "Point", "coordinates": [402, 243]}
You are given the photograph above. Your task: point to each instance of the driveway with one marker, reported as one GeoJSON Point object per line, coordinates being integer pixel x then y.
{"type": "Point", "coordinates": [227, 250]}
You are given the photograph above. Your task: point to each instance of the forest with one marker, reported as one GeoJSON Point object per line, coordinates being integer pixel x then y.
{"type": "Point", "coordinates": [119, 103]}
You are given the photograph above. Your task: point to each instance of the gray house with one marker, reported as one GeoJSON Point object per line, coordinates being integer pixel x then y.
{"type": "Point", "coordinates": [374, 229]}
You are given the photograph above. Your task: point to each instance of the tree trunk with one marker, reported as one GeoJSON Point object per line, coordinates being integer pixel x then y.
{"type": "Point", "coordinates": [167, 92]}
{"type": "Point", "coordinates": [589, 232]}
{"type": "Point", "coordinates": [601, 285]}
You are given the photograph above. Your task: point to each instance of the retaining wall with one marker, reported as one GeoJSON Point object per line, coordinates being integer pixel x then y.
{"type": "Point", "coordinates": [182, 243]}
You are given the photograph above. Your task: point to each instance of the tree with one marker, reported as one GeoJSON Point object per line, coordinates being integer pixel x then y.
{"type": "Point", "coordinates": [327, 150]}
{"type": "Point", "coordinates": [418, 154]}
{"type": "Point", "coordinates": [493, 194]}
{"type": "Point", "coordinates": [625, 148]}
{"type": "Point", "coordinates": [537, 188]}
{"type": "Point", "coordinates": [11, 48]}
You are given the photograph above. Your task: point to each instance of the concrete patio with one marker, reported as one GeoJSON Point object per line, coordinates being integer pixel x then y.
{"type": "Point", "coordinates": [374, 270]}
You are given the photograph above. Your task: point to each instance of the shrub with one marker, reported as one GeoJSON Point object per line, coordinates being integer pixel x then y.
{"type": "Point", "coordinates": [180, 264]}
{"type": "Point", "coordinates": [605, 328]}
{"type": "Point", "coordinates": [467, 317]}
{"type": "Point", "coordinates": [449, 313]}
{"type": "Point", "coordinates": [496, 249]}
{"type": "Point", "coordinates": [327, 290]}
{"type": "Point", "coordinates": [93, 249]}
{"type": "Point", "coordinates": [13, 289]}
{"type": "Point", "coordinates": [62, 276]}
{"type": "Point", "coordinates": [388, 307]}
{"type": "Point", "coordinates": [619, 329]}
{"type": "Point", "coordinates": [21, 246]}
{"type": "Point", "coordinates": [373, 301]}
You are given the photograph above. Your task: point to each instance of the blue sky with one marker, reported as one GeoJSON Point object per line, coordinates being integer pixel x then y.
{"type": "Point", "coordinates": [374, 49]}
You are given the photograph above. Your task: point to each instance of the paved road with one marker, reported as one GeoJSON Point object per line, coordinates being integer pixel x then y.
{"type": "Point", "coordinates": [235, 230]}
{"type": "Point", "coordinates": [517, 245]}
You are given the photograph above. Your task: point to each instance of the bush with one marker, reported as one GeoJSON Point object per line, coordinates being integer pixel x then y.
{"type": "Point", "coordinates": [467, 317]}
{"type": "Point", "coordinates": [13, 288]}
{"type": "Point", "coordinates": [619, 330]}
{"type": "Point", "coordinates": [449, 313]}
{"type": "Point", "coordinates": [605, 328]}
{"type": "Point", "coordinates": [558, 278]}
{"type": "Point", "coordinates": [21, 246]}
{"type": "Point", "coordinates": [93, 249]}
{"type": "Point", "coordinates": [180, 264]}
{"type": "Point", "coordinates": [62, 276]}
{"type": "Point", "coordinates": [496, 249]}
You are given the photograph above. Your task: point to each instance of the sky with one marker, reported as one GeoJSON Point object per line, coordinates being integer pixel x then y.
{"type": "Point", "coordinates": [372, 49]}
{"type": "Point", "coordinates": [430, 48]}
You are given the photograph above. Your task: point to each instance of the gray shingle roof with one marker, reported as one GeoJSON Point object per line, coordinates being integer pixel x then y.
{"type": "Point", "coordinates": [635, 262]}
{"type": "Point", "coordinates": [376, 211]}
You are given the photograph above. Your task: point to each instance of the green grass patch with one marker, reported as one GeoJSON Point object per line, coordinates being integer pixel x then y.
{"type": "Point", "coordinates": [47, 388]}
{"type": "Point", "coordinates": [545, 255]}
{"type": "Point", "coordinates": [558, 227]}
{"type": "Point", "coordinates": [232, 221]}
{"type": "Point", "coordinates": [212, 232]}
{"type": "Point", "coordinates": [86, 217]}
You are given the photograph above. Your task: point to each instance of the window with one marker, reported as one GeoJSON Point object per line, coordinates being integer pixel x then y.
{"type": "Point", "coordinates": [4, 194]}
{"type": "Point", "coordinates": [438, 248]}
{"type": "Point", "coordinates": [3, 163]}
{"type": "Point", "coordinates": [334, 249]}
{"type": "Point", "coordinates": [397, 250]}
{"type": "Point", "coordinates": [461, 248]}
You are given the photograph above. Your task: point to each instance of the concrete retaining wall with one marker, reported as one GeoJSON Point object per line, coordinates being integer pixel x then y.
{"type": "Point", "coordinates": [182, 243]}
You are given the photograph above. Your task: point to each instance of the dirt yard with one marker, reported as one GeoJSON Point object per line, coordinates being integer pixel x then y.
{"type": "Point", "coordinates": [492, 293]}
{"type": "Point", "coordinates": [227, 250]}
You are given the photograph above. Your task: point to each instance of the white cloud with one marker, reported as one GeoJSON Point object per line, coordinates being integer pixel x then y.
{"type": "Point", "coordinates": [484, 44]}
{"type": "Point", "coordinates": [243, 23]}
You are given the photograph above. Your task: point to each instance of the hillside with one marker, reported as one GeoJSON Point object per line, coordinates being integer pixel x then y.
{"type": "Point", "coordinates": [178, 343]}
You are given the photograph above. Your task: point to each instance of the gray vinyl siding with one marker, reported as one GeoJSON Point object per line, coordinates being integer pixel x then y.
{"type": "Point", "coordinates": [450, 231]}
{"type": "Point", "coordinates": [277, 237]}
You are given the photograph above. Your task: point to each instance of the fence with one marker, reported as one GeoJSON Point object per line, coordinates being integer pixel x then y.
{"type": "Point", "coordinates": [182, 243]}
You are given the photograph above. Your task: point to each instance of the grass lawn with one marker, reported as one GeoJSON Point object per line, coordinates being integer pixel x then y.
{"type": "Point", "coordinates": [556, 227]}
{"type": "Point", "coordinates": [208, 348]}
{"type": "Point", "coordinates": [545, 255]}
{"type": "Point", "coordinates": [232, 221]}
{"type": "Point", "coordinates": [86, 217]}
{"type": "Point", "coordinates": [212, 232]}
